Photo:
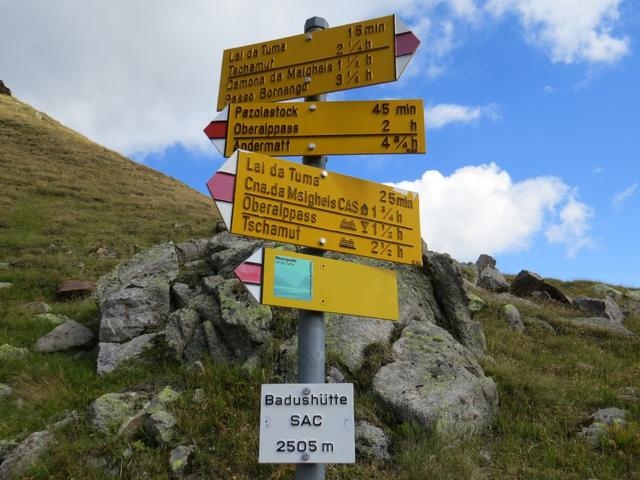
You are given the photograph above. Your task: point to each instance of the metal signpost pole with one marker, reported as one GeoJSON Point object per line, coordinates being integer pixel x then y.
{"type": "Point", "coordinates": [311, 354]}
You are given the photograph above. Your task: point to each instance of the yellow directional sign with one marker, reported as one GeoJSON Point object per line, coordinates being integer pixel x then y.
{"type": "Point", "coordinates": [288, 279]}
{"type": "Point", "coordinates": [273, 199]}
{"type": "Point", "coordinates": [321, 128]}
{"type": "Point", "coordinates": [349, 56]}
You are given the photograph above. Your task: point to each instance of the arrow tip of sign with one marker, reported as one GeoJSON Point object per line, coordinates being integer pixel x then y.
{"type": "Point", "coordinates": [400, 26]}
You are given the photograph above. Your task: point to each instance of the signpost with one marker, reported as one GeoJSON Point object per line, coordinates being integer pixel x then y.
{"type": "Point", "coordinates": [316, 62]}
{"type": "Point", "coordinates": [269, 198]}
{"type": "Point", "coordinates": [288, 279]}
{"type": "Point", "coordinates": [273, 199]}
{"type": "Point", "coordinates": [307, 423]}
{"type": "Point", "coordinates": [321, 128]}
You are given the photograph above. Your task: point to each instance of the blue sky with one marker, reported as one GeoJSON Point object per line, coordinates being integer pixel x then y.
{"type": "Point", "coordinates": [531, 110]}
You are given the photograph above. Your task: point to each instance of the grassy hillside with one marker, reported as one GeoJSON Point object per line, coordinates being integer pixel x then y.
{"type": "Point", "coordinates": [62, 197]}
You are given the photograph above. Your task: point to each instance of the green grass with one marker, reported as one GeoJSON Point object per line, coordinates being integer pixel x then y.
{"type": "Point", "coordinates": [63, 196]}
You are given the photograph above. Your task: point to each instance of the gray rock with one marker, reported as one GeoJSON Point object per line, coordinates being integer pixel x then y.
{"type": "Point", "coordinates": [52, 318]}
{"type": "Point", "coordinates": [25, 455]}
{"type": "Point", "coordinates": [198, 396]}
{"type": "Point", "coordinates": [135, 297]}
{"type": "Point", "coordinates": [436, 382]}
{"type": "Point", "coordinates": [70, 334]}
{"type": "Point", "coordinates": [111, 355]}
{"type": "Point", "coordinates": [372, 442]}
{"type": "Point", "coordinates": [511, 315]}
{"type": "Point", "coordinates": [5, 391]}
{"type": "Point", "coordinates": [217, 350]}
{"type": "Point", "coordinates": [130, 312]}
{"type": "Point", "coordinates": [179, 459]}
{"type": "Point", "coordinates": [132, 425]}
{"type": "Point", "coordinates": [181, 294]}
{"type": "Point", "coordinates": [207, 307]}
{"type": "Point", "coordinates": [163, 398]}
{"type": "Point", "coordinates": [198, 367]}
{"type": "Point", "coordinates": [5, 285]}
{"type": "Point", "coordinates": [597, 430]}
{"type": "Point", "coordinates": [179, 331]}
{"type": "Point", "coordinates": [160, 426]}
{"type": "Point", "coordinates": [596, 307]}
{"type": "Point", "coordinates": [109, 411]}
{"type": "Point", "coordinates": [192, 250]}
{"type": "Point", "coordinates": [196, 348]}
{"type": "Point", "coordinates": [227, 251]}
{"type": "Point", "coordinates": [606, 291]}
{"type": "Point", "coordinates": [334, 375]}
{"type": "Point", "coordinates": [244, 323]}
{"type": "Point", "coordinates": [529, 283]}
{"type": "Point", "coordinates": [9, 352]}
{"type": "Point", "coordinates": [6, 447]}
{"type": "Point", "coordinates": [485, 260]}
{"type": "Point", "coordinates": [539, 323]}
{"type": "Point", "coordinates": [630, 302]}
{"type": "Point", "coordinates": [476, 304]}
{"type": "Point", "coordinates": [37, 307]}
{"type": "Point", "coordinates": [210, 284]}
{"type": "Point", "coordinates": [601, 323]}
{"type": "Point", "coordinates": [347, 337]}
{"type": "Point", "coordinates": [491, 279]}
{"type": "Point", "coordinates": [453, 302]}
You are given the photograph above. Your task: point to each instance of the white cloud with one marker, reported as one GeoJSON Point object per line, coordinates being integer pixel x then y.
{"type": "Point", "coordinates": [574, 227]}
{"type": "Point", "coordinates": [621, 198]}
{"type": "Point", "coordinates": [570, 30]}
{"type": "Point", "coordinates": [479, 209]}
{"type": "Point", "coordinates": [438, 116]}
{"type": "Point", "coordinates": [140, 76]}
{"type": "Point", "coordinates": [598, 170]}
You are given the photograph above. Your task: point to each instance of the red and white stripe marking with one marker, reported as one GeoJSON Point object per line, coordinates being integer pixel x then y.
{"type": "Point", "coordinates": [406, 45]}
{"type": "Point", "coordinates": [216, 131]}
{"type": "Point", "coordinates": [249, 272]}
{"type": "Point", "coordinates": [222, 188]}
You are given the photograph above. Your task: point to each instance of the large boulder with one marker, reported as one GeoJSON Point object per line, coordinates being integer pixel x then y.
{"type": "Point", "coordinates": [109, 411]}
{"type": "Point", "coordinates": [436, 382]}
{"type": "Point", "coordinates": [135, 297]}
{"type": "Point", "coordinates": [453, 302]}
{"type": "Point", "coordinates": [70, 334]}
{"type": "Point", "coordinates": [597, 307]}
{"type": "Point", "coordinates": [527, 284]}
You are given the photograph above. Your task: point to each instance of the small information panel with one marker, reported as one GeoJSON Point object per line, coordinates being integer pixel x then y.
{"type": "Point", "coordinates": [293, 278]}
{"type": "Point", "coordinates": [307, 423]}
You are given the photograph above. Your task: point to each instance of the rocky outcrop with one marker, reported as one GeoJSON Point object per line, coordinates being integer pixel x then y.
{"type": "Point", "coordinates": [597, 307]}
{"type": "Point", "coordinates": [436, 382]}
{"type": "Point", "coordinates": [528, 284]}
{"type": "Point", "coordinates": [184, 302]}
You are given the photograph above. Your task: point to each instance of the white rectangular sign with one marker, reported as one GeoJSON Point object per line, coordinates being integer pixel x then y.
{"type": "Point", "coordinates": [307, 423]}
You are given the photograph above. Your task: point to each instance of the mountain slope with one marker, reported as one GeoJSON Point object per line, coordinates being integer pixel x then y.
{"type": "Point", "coordinates": [63, 196]}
